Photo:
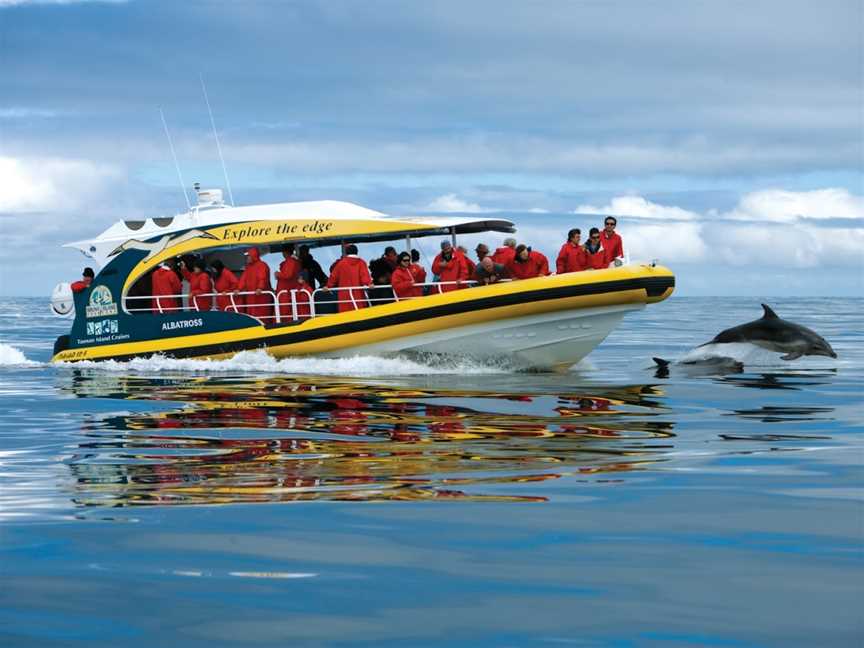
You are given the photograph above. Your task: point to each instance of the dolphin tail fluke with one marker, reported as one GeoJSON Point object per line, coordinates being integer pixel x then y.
{"type": "Point", "coordinates": [769, 314]}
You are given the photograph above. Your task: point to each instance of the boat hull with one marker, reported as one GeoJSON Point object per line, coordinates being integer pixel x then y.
{"type": "Point", "coordinates": [546, 323]}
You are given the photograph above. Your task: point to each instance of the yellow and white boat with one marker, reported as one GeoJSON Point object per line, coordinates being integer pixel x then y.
{"type": "Point", "coordinates": [545, 322]}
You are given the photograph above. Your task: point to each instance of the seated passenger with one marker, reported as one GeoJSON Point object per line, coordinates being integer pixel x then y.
{"type": "Point", "coordinates": [595, 256]}
{"type": "Point", "coordinates": [506, 252]}
{"type": "Point", "coordinates": [451, 267]}
{"type": "Point", "coordinates": [527, 264]}
{"type": "Point", "coordinates": [303, 295]}
{"type": "Point", "coordinates": [572, 257]}
{"type": "Point", "coordinates": [403, 279]}
{"type": "Point", "coordinates": [380, 270]}
{"type": "Point", "coordinates": [199, 284]}
{"type": "Point", "coordinates": [350, 272]}
{"type": "Point", "coordinates": [86, 280]}
{"type": "Point", "coordinates": [166, 289]}
{"type": "Point", "coordinates": [225, 283]}
{"type": "Point", "coordinates": [482, 251]}
{"type": "Point", "coordinates": [489, 272]}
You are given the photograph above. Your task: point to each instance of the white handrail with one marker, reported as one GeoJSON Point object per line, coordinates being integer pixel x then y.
{"type": "Point", "coordinates": [277, 298]}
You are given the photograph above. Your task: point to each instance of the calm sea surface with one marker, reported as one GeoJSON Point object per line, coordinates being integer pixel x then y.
{"type": "Point", "coordinates": [397, 502]}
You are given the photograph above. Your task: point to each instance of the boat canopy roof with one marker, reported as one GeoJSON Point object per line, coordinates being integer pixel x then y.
{"type": "Point", "coordinates": [315, 223]}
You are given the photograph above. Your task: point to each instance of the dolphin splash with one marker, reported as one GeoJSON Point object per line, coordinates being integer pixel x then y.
{"type": "Point", "coordinates": [768, 332]}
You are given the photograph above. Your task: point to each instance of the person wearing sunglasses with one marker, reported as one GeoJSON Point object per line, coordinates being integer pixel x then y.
{"type": "Point", "coordinates": [611, 241]}
{"type": "Point", "coordinates": [402, 278]}
{"type": "Point", "coordinates": [595, 255]}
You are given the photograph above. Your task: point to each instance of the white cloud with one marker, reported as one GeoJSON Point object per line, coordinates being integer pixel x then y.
{"type": "Point", "coordinates": [779, 206]}
{"type": "Point", "coordinates": [452, 203]}
{"type": "Point", "coordinates": [52, 184]}
{"type": "Point", "coordinates": [638, 207]}
{"type": "Point", "coordinates": [20, 112]}
{"type": "Point", "coordinates": [18, 3]}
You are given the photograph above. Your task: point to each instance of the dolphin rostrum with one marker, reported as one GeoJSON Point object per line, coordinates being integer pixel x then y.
{"type": "Point", "coordinates": [775, 334]}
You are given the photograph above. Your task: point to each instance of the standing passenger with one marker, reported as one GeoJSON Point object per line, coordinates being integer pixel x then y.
{"type": "Point", "coordinates": [595, 255]}
{"type": "Point", "coordinates": [417, 270]}
{"type": "Point", "coordinates": [225, 282]}
{"type": "Point", "coordinates": [86, 280]}
{"type": "Point", "coordinates": [287, 279]}
{"type": "Point", "coordinates": [613, 246]}
{"type": "Point", "coordinates": [482, 251]}
{"type": "Point", "coordinates": [471, 265]}
{"type": "Point", "coordinates": [166, 286]}
{"type": "Point", "coordinates": [572, 257]}
{"type": "Point", "coordinates": [314, 274]}
{"type": "Point", "coordinates": [350, 272]}
{"type": "Point", "coordinates": [402, 279]}
{"type": "Point", "coordinates": [199, 284]}
{"type": "Point", "coordinates": [450, 266]}
{"type": "Point", "coordinates": [255, 280]}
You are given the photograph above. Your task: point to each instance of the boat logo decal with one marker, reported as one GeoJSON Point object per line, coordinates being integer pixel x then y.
{"type": "Point", "coordinates": [158, 246]}
{"type": "Point", "coordinates": [101, 303]}
{"type": "Point", "coordinates": [102, 327]}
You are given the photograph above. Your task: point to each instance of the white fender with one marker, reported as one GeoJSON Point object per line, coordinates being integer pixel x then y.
{"type": "Point", "coordinates": [62, 302]}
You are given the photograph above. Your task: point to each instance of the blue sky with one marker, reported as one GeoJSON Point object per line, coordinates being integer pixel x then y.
{"type": "Point", "coordinates": [729, 136]}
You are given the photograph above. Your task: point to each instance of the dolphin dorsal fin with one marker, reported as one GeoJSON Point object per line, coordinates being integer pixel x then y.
{"type": "Point", "coordinates": [769, 314]}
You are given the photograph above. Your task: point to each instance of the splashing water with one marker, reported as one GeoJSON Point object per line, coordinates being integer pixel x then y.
{"type": "Point", "coordinates": [10, 356]}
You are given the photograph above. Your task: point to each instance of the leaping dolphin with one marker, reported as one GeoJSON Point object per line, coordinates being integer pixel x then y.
{"type": "Point", "coordinates": [775, 334]}
{"type": "Point", "coordinates": [768, 332]}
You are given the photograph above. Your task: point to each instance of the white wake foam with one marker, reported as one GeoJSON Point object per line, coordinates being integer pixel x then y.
{"type": "Point", "coordinates": [261, 362]}
{"type": "Point", "coordinates": [10, 356]}
{"type": "Point", "coordinates": [744, 352]}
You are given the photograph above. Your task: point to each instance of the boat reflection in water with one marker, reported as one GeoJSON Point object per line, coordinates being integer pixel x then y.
{"type": "Point", "coordinates": [218, 440]}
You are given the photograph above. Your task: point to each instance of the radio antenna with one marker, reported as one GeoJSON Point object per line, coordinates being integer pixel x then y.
{"type": "Point", "coordinates": [176, 163]}
{"type": "Point", "coordinates": [216, 137]}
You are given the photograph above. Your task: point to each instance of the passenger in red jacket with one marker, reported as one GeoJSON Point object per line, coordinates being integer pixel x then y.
{"type": "Point", "coordinates": [471, 265]}
{"type": "Point", "coordinates": [256, 280]}
{"type": "Point", "coordinates": [450, 266]}
{"type": "Point", "coordinates": [350, 272]}
{"type": "Point", "coordinates": [613, 246]}
{"type": "Point", "coordinates": [225, 283]}
{"type": "Point", "coordinates": [572, 257]}
{"type": "Point", "coordinates": [402, 279]}
{"type": "Point", "coordinates": [505, 253]}
{"type": "Point", "coordinates": [287, 279]}
{"type": "Point", "coordinates": [86, 280]}
{"type": "Point", "coordinates": [166, 282]}
{"type": "Point", "coordinates": [199, 284]}
{"type": "Point", "coordinates": [417, 270]}
{"type": "Point", "coordinates": [595, 255]}
{"type": "Point", "coordinates": [527, 264]}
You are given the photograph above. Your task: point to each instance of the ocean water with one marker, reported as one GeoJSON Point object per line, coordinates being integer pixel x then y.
{"type": "Point", "coordinates": [410, 502]}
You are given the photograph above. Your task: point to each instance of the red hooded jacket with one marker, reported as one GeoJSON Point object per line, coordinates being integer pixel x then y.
{"type": "Point", "coordinates": [256, 276]}
{"type": "Point", "coordinates": [226, 282]}
{"type": "Point", "coordinates": [613, 246]}
{"type": "Point", "coordinates": [350, 271]}
{"type": "Point", "coordinates": [166, 282]}
{"type": "Point", "coordinates": [595, 260]}
{"type": "Point", "coordinates": [81, 286]}
{"type": "Point", "coordinates": [504, 255]}
{"type": "Point", "coordinates": [403, 281]}
{"type": "Point", "coordinates": [535, 266]}
{"type": "Point", "coordinates": [419, 273]}
{"type": "Point", "coordinates": [287, 279]}
{"type": "Point", "coordinates": [456, 269]}
{"type": "Point", "coordinates": [199, 284]}
{"type": "Point", "coordinates": [571, 258]}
